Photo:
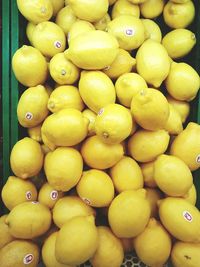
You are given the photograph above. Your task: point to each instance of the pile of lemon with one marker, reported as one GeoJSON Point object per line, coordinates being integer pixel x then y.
{"type": "Point", "coordinates": [107, 165]}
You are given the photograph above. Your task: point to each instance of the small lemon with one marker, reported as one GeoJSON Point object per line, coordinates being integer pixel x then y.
{"type": "Point", "coordinates": [57, 6]}
{"type": "Point", "coordinates": [151, 9]}
{"type": "Point", "coordinates": [65, 19]}
{"type": "Point", "coordinates": [153, 62]}
{"type": "Point", "coordinates": [109, 249]}
{"type": "Point", "coordinates": [49, 38]}
{"type": "Point", "coordinates": [102, 23]}
{"type": "Point", "coordinates": [6, 237]}
{"type": "Point", "coordinates": [174, 124]}
{"type": "Point", "coordinates": [126, 175]}
{"type": "Point", "coordinates": [125, 7]}
{"type": "Point", "coordinates": [35, 133]}
{"type": "Point", "coordinates": [128, 30]}
{"type": "Point", "coordinates": [129, 213]}
{"type": "Point", "coordinates": [191, 195]}
{"type": "Point", "coordinates": [127, 85]}
{"type": "Point", "coordinates": [153, 195]}
{"type": "Point", "coordinates": [178, 15]}
{"type": "Point", "coordinates": [91, 116]}
{"type": "Point", "coordinates": [36, 11]}
{"type": "Point", "coordinates": [29, 66]}
{"type": "Point", "coordinates": [152, 30]}
{"type": "Point", "coordinates": [150, 109]}
{"type": "Point", "coordinates": [96, 89]}
{"type": "Point", "coordinates": [26, 158]}
{"type": "Point", "coordinates": [29, 31]}
{"type": "Point", "coordinates": [63, 168]}
{"type": "Point", "coordinates": [153, 245]}
{"type": "Point", "coordinates": [100, 155]}
{"type": "Point", "coordinates": [147, 171]}
{"type": "Point", "coordinates": [145, 146]}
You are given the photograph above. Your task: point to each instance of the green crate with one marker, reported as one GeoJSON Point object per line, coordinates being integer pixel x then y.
{"type": "Point", "coordinates": [13, 37]}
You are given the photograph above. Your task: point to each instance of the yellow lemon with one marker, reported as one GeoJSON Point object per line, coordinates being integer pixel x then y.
{"type": "Point", "coordinates": [35, 133]}
{"type": "Point", "coordinates": [36, 11]}
{"type": "Point", "coordinates": [102, 23]}
{"type": "Point", "coordinates": [77, 240]}
{"type": "Point", "coordinates": [147, 171]}
{"type": "Point", "coordinates": [180, 218]}
{"type": "Point", "coordinates": [109, 249]}
{"type": "Point", "coordinates": [151, 9]}
{"type": "Point", "coordinates": [26, 158]}
{"type": "Point", "coordinates": [91, 116]}
{"type": "Point", "coordinates": [153, 245]}
{"type": "Point", "coordinates": [174, 124]}
{"type": "Point", "coordinates": [67, 127]}
{"type": "Point", "coordinates": [150, 109]}
{"type": "Point", "coordinates": [6, 237]}
{"type": "Point", "coordinates": [185, 254]}
{"type": "Point", "coordinates": [65, 19]}
{"type": "Point", "coordinates": [153, 195]}
{"type": "Point", "coordinates": [152, 30]}
{"type": "Point", "coordinates": [32, 106]}
{"type": "Point", "coordinates": [57, 6]}
{"type": "Point", "coordinates": [96, 89]}
{"type": "Point", "coordinates": [111, 2]}
{"type": "Point", "coordinates": [29, 31]}
{"type": "Point", "coordinates": [191, 195]}
{"type": "Point", "coordinates": [18, 253]}
{"type": "Point", "coordinates": [127, 85]}
{"type": "Point", "coordinates": [179, 1]}
{"type": "Point", "coordinates": [63, 168]}
{"type": "Point", "coordinates": [123, 63]}
{"type": "Point", "coordinates": [172, 175]}
{"type": "Point", "coordinates": [137, 1]}
{"type": "Point", "coordinates": [62, 70]}
{"type": "Point", "coordinates": [145, 146]}
{"type": "Point", "coordinates": [49, 38]}
{"type": "Point", "coordinates": [128, 30]}
{"type": "Point", "coordinates": [126, 175]}
{"type": "Point", "coordinates": [129, 213]}
{"type": "Point", "coordinates": [179, 15]}
{"type": "Point", "coordinates": [93, 50]}
{"type": "Point", "coordinates": [189, 152]}
{"type": "Point", "coordinates": [183, 82]}
{"type": "Point", "coordinates": [125, 7]}
{"type": "Point", "coordinates": [29, 66]}
{"type": "Point", "coordinates": [153, 62]}
{"type": "Point", "coordinates": [100, 155]}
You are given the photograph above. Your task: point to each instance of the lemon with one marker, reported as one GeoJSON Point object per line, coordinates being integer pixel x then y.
{"type": "Point", "coordinates": [180, 218]}
{"type": "Point", "coordinates": [179, 42]}
{"type": "Point", "coordinates": [77, 240]}
{"type": "Point", "coordinates": [35, 133]}
{"type": "Point", "coordinates": [125, 7]}
{"type": "Point", "coordinates": [6, 237]}
{"type": "Point", "coordinates": [179, 1]}
{"type": "Point", "coordinates": [62, 70]}
{"type": "Point", "coordinates": [49, 38]}
{"type": "Point", "coordinates": [127, 244]}
{"type": "Point", "coordinates": [109, 249]}
{"type": "Point", "coordinates": [185, 254]}
{"type": "Point", "coordinates": [93, 50]}
{"type": "Point", "coordinates": [48, 252]}
{"type": "Point", "coordinates": [111, 2]}
{"type": "Point", "coordinates": [48, 196]}
{"type": "Point", "coordinates": [151, 9]}
{"type": "Point", "coordinates": [127, 85]}
{"type": "Point", "coordinates": [172, 175]}
{"type": "Point", "coordinates": [150, 109]}
{"type": "Point", "coordinates": [16, 191]}
{"type": "Point", "coordinates": [189, 152]}
{"type": "Point", "coordinates": [91, 116]}
{"type": "Point", "coordinates": [123, 63]}
{"type": "Point", "coordinates": [57, 6]}
{"type": "Point", "coordinates": [152, 30]}
{"type": "Point", "coordinates": [174, 123]}
{"type": "Point", "coordinates": [32, 106]}
{"type": "Point", "coordinates": [65, 19]}
{"type": "Point", "coordinates": [183, 82]}
{"type": "Point", "coordinates": [100, 155]}
{"type": "Point", "coordinates": [63, 168]}
{"type": "Point", "coordinates": [153, 245]}
{"type": "Point", "coordinates": [146, 146]}
{"type": "Point", "coordinates": [126, 175]}
{"type": "Point", "coordinates": [26, 158]}
{"type": "Point", "coordinates": [102, 23]}
{"type": "Point", "coordinates": [18, 253]}
{"type": "Point", "coordinates": [153, 196]}
{"type": "Point", "coordinates": [102, 187]}
{"type": "Point", "coordinates": [179, 15]}
{"type": "Point", "coordinates": [89, 10]}
{"type": "Point", "coordinates": [137, 1]}
{"type": "Point", "coordinates": [20, 220]}
{"type": "Point", "coordinates": [128, 30]}
{"type": "Point", "coordinates": [29, 66]}
{"type": "Point", "coordinates": [66, 127]}
{"type": "Point", "coordinates": [129, 213]}
{"type": "Point", "coordinates": [191, 195]}
{"type": "Point", "coordinates": [96, 89]}
{"type": "Point", "coordinates": [29, 31]}
{"type": "Point", "coordinates": [153, 62]}
{"type": "Point", "coordinates": [147, 171]}
{"type": "Point", "coordinates": [35, 11]}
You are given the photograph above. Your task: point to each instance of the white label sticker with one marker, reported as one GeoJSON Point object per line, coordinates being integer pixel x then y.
{"type": "Point", "coordinates": [187, 216]}
{"type": "Point", "coordinates": [28, 259]}
{"type": "Point", "coordinates": [29, 116]}
{"type": "Point", "coordinates": [35, 202]}
{"type": "Point", "coordinates": [87, 201]}
{"type": "Point", "coordinates": [101, 111]}
{"type": "Point", "coordinates": [129, 32]}
{"type": "Point", "coordinates": [28, 195]}
{"type": "Point", "coordinates": [54, 195]}
{"type": "Point", "coordinates": [57, 44]}
{"type": "Point", "coordinates": [198, 159]}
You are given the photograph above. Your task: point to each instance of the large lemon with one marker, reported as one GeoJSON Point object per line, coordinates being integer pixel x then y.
{"type": "Point", "coordinates": [125, 7]}
{"type": "Point", "coordinates": [96, 89]}
{"type": "Point", "coordinates": [174, 124]}
{"type": "Point", "coordinates": [63, 168]}
{"type": "Point", "coordinates": [152, 8]}
{"type": "Point", "coordinates": [6, 237]}
{"type": "Point", "coordinates": [65, 19]}
{"type": "Point", "coordinates": [152, 30]}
